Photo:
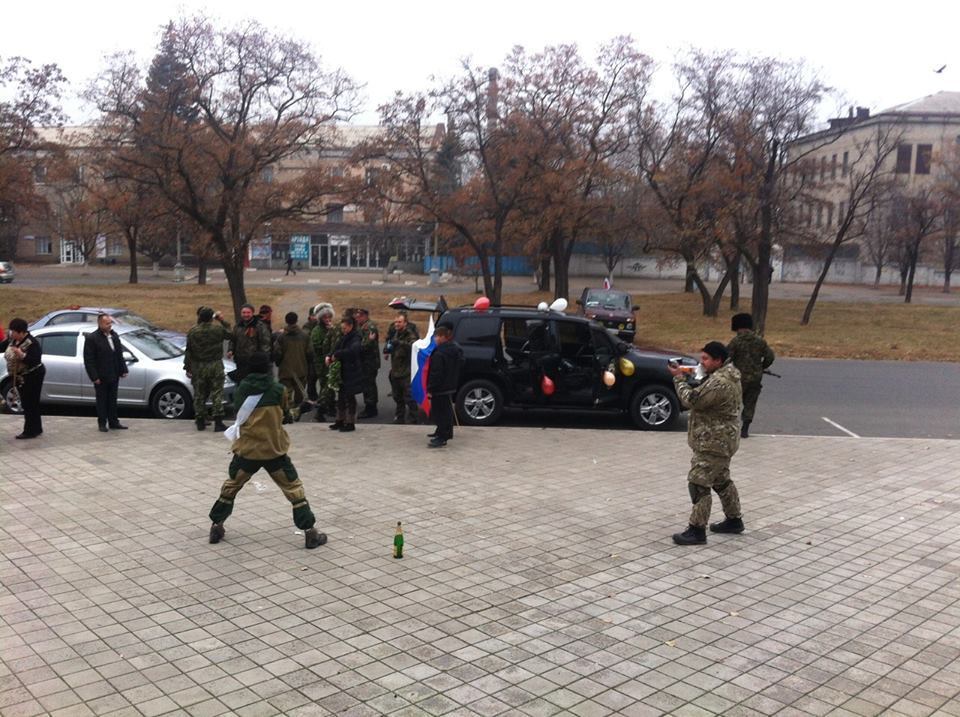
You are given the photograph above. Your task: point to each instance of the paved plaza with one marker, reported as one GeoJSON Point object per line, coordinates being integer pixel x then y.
{"type": "Point", "coordinates": [538, 579]}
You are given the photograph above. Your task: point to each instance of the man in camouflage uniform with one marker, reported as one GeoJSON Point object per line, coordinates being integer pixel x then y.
{"type": "Point", "coordinates": [752, 356]}
{"type": "Point", "coordinates": [323, 338]}
{"type": "Point", "coordinates": [398, 348]}
{"type": "Point", "coordinates": [714, 436]}
{"type": "Point", "coordinates": [293, 354]}
{"type": "Point", "coordinates": [203, 362]}
{"type": "Point", "coordinates": [369, 361]}
{"type": "Point", "coordinates": [250, 336]}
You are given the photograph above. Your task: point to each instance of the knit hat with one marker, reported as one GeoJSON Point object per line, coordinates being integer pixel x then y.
{"type": "Point", "coordinates": [741, 321]}
{"type": "Point", "coordinates": [259, 362]}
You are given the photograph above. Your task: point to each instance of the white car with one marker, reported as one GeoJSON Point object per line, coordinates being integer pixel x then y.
{"type": "Point", "coordinates": [88, 314]}
{"type": "Point", "coordinates": [155, 379]}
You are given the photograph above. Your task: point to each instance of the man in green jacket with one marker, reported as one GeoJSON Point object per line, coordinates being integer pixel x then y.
{"type": "Point", "coordinates": [398, 348]}
{"type": "Point", "coordinates": [293, 354]}
{"type": "Point", "coordinates": [713, 433]}
{"type": "Point", "coordinates": [203, 362]}
{"type": "Point", "coordinates": [323, 337]}
{"type": "Point", "coordinates": [369, 361]}
{"type": "Point", "coordinates": [249, 336]}
{"type": "Point", "coordinates": [752, 356]}
{"type": "Point", "coordinates": [259, 441]}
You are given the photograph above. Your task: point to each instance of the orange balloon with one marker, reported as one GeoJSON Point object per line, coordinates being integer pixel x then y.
{"type": "Point", "coordinates": [482, 304]}
{"type": "Point", "coordinates": [547, 386]}
{"type": "Point", "coordinates": [608, 378]}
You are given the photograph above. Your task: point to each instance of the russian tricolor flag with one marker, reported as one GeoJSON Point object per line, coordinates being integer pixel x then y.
{"type": "Point", "coordinates": [420, 368]}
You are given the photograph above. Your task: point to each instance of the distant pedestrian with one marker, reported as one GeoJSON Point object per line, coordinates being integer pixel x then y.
{"type": "Point", "coordinates": [713, 433]}
{"type": "Point", "coordinates": [203, 362]}
{"type": "Point", "coordinates": [443, 379]}
{"type": "Point", "coordinates": [293, 355]}
{"type": "Point", "coordinates": [290, 266]}
{"type": "Point", "coordinates": [259, 441]}
{"type": "Point", "coordinates": [25, 367]}
{"type": "Point", "coordinates": [347, 353]}
{"type": "Point", "coordinates": [104, 364]}
{"type": "Point", "coordinates": [752, 356]}
{"type": "Point", "coordinates": [250, 336]}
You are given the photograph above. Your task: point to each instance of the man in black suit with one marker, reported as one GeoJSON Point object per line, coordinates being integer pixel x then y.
{"type": "Point", "coordinates": [103, 360]}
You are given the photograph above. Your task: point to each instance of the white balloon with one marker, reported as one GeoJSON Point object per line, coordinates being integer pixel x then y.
{"type": "Point", "coordinates": [542, 306]}
{"type": "Point", "coordinates": [559, 305]}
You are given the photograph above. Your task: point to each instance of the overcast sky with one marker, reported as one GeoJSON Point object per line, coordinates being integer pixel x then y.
{"type": "Point", "coordinates": [875, 56]}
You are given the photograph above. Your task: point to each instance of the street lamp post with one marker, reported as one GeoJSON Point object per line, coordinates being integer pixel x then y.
{"type": "Point", "coordinates": [178, 270]}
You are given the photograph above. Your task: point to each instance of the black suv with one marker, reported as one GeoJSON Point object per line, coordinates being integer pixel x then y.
{"type": "Point", "coordinates": [509, 350]}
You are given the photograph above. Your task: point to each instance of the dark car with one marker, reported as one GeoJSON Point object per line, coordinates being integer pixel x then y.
{"type": "Point", "coordinates": [509, 351]}
{"type": "Point", "coordinates": [613, 309]}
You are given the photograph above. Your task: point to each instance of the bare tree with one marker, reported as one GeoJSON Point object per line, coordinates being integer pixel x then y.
{"type": "Point", "coordinates": [866, 183]}
{"type": "Point", "coordinates": [918, 215]}
{"type": "Point", "coordinates": [211, 142]}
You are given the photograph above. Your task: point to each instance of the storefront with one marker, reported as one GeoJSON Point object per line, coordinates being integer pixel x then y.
{"type": "Point", "coordinates": [335, 251]}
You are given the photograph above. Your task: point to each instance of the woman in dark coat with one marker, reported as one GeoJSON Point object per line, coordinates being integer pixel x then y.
{"type": "Point", "coordinates": [347, 352]}
{"type": "Point", "coordinates": [24, 363]}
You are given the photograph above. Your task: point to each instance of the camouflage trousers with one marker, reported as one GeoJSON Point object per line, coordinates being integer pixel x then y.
{"type": "Point", "coordinates": [751, 392]}
{"type": "Point", "coordinates": [407, 409]}
{"type": "Point", "coordinates": [295, 394]}
{"type": "Point", "coordinates": [207, 380]}
{"type": "Point", "coordinates": [370, 394]}
{"type": "Point", "coordinates": [326, 394]}
{"type": "Point", "coordinates": [284, 475]}
{"type": "Point", "coordinates": [710, 471]}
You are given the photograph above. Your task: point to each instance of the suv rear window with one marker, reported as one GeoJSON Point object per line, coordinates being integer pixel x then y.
{"type": "Point", "coordinates": [476, 330]}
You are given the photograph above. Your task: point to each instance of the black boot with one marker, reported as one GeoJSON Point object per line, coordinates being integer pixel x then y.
{"type": "Point", "coordinates": [745, 429]}
{"type": "Point", "coordinates": [693, 535]}
{"type": "Point", "coordinates": [728, 525]}
{"type": "Point", "coordinates": [335, 426]}
{"type": "Point", "coordinates": [201, 424]}
{"type": "Point", "coordinates": [347, 427]}
{"type": "Point", "coordinates": [216, 532]}
{"type": "Point", "coordinates": [369, 411]}
{"type": "Point", "coordinates": [218, 425]}
{"type": "Point", "coordinates": [312, 538]}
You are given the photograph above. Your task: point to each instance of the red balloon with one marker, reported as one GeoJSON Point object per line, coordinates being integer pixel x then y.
{"type": "Point", "coordinates": [547, 386]}
{"type": "Point", "coordinates": [482, 304]}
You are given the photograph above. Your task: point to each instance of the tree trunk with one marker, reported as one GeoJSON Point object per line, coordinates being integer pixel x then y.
{"type": "Point", "coordinates": [876, 277]}
{"type": "Point", "coordinates": [914, 257]}
{"type": "Point", "coordinates": [688, 280]}
{"type": "Point", "coordinates": [233, 269]}
{"type": "Point", "coordinates": [497, 275]}
{"type": "Point", "coordinates": [561, 271]}
{"type": "Point", "coordinates": [949, 251]}
{"type": "Point", "coordinates": [718, 296]}
{"type": "Point", "coordinates": [156, 268]}
{"type": "Point", "coordinates": [762, 271]}
{"type": "Point", "coordinates": [132, 249]}
{"type": "Point", "coordinates": [543, 283]}
{"type": "Point", "coordinates": [816, 287]}
{"type": "Point", "coordinates": [734, 271]}
{"type": "Point", "coordinates": [202, 271]}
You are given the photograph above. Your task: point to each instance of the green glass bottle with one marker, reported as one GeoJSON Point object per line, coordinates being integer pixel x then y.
{"type": "Point", "coordinates": [398, 542]}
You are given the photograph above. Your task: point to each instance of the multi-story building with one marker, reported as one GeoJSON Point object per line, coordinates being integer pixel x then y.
{"type": "Point", "coordinates": [914, 138]}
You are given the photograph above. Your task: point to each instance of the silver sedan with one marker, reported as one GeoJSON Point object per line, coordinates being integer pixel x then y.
{"type": "Point", "coordinates": [155, 378]}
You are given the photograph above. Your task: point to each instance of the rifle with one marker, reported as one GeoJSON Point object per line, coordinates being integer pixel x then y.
{"type": "Point", "coordinates": [771, 373]}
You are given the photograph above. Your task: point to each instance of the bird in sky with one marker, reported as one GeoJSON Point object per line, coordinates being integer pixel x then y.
{"type": "Point", "coordinates": [942, 68]}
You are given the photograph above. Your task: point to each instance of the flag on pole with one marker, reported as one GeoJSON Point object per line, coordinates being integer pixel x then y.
{"type": "Point", "coordinates": [420, 368]}
{"type": "Point", "coordinates": [606, 282]}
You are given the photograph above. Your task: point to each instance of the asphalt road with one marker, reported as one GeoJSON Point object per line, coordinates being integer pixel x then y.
{"type": "Point", "coordinates": [866, 398]}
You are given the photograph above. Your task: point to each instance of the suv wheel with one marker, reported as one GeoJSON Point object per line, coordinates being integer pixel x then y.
{"type": "Point", "coordinates": [11, 397]}
{"type": "Point", "coordinates": [654, 408]}
{"type": "Point", "coordinates": [479, 403]}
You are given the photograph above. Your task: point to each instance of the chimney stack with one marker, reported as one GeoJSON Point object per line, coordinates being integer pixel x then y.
{"type": "Point", "coordinates": [493, 95]}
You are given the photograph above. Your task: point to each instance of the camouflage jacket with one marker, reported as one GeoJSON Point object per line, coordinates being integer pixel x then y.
{"type": "Point", "coordinates": [400, 356]}
{"type": "Point", "coordinates": [751, 355]}
{"type": "Point", "coordinates": [247, 339]}
{"type": "Point", "coordinates": [715, 406]}
{"type": "Point", "coordinates": [369, 345]}
{"type": "Point", "coordinates": [205, 344]}
{"type": "Point", "coordinates": [323, 340]}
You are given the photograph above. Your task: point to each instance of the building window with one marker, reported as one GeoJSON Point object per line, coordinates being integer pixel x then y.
{"type": "Point", "coordinates": [841, 212]}
{"type": "Point", "coordinates": [819, 215]}
{"type": "Point", "coordinates": [924, 153]}
{"type": "Point", "coordinates": [823, 168]}
{"type": "Point", "coordinates": [44, 246]}
{"type": "Point", "coordinates": [335, 214]}
{"type": "Point", "coordinates": [115, 247]}
{"type": "Point", "coordinates": [846, 164]}
{"type": "Point", "coordinates": [833, 167]}
{"type": "Point", "coordinates": [830, 214]}
{"type": "Point", "coordinates": [904, 155]}
{"type": "Point", "coordinates": [266, 174]}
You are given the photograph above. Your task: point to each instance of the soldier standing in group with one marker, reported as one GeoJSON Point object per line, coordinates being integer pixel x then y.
{"type": "Point", "coordinates": [293, 355]}
{"type": "Point", "coordinates": [323, 337]}
{"type": "Point", "coordinates": [752, 356]}
{"type": "Point", "coordinates": [203, 362]}
{"type": "Point", "coordinates": [713, 433]}
{"type": "Point", "coordinates": [398, 349]}
{"type": "Point", "coordinates": [369, 362]}
{"type": "Point", "coordinates": [250, 336]}
{"type": "Point", "coordinates": [309, 325]}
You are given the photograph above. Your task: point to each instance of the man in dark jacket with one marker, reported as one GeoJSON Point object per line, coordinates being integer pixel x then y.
{"type": "Point", "coordinates": [25, 367]}
{"type": "Point", "coordinates": [103, 361]}
{"type": "Point", "coordinates": [442, 382]}
{"type": "Point", "coordinates": [250, 336]}
{"type": "Point", "coordinates": [347, 352]}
